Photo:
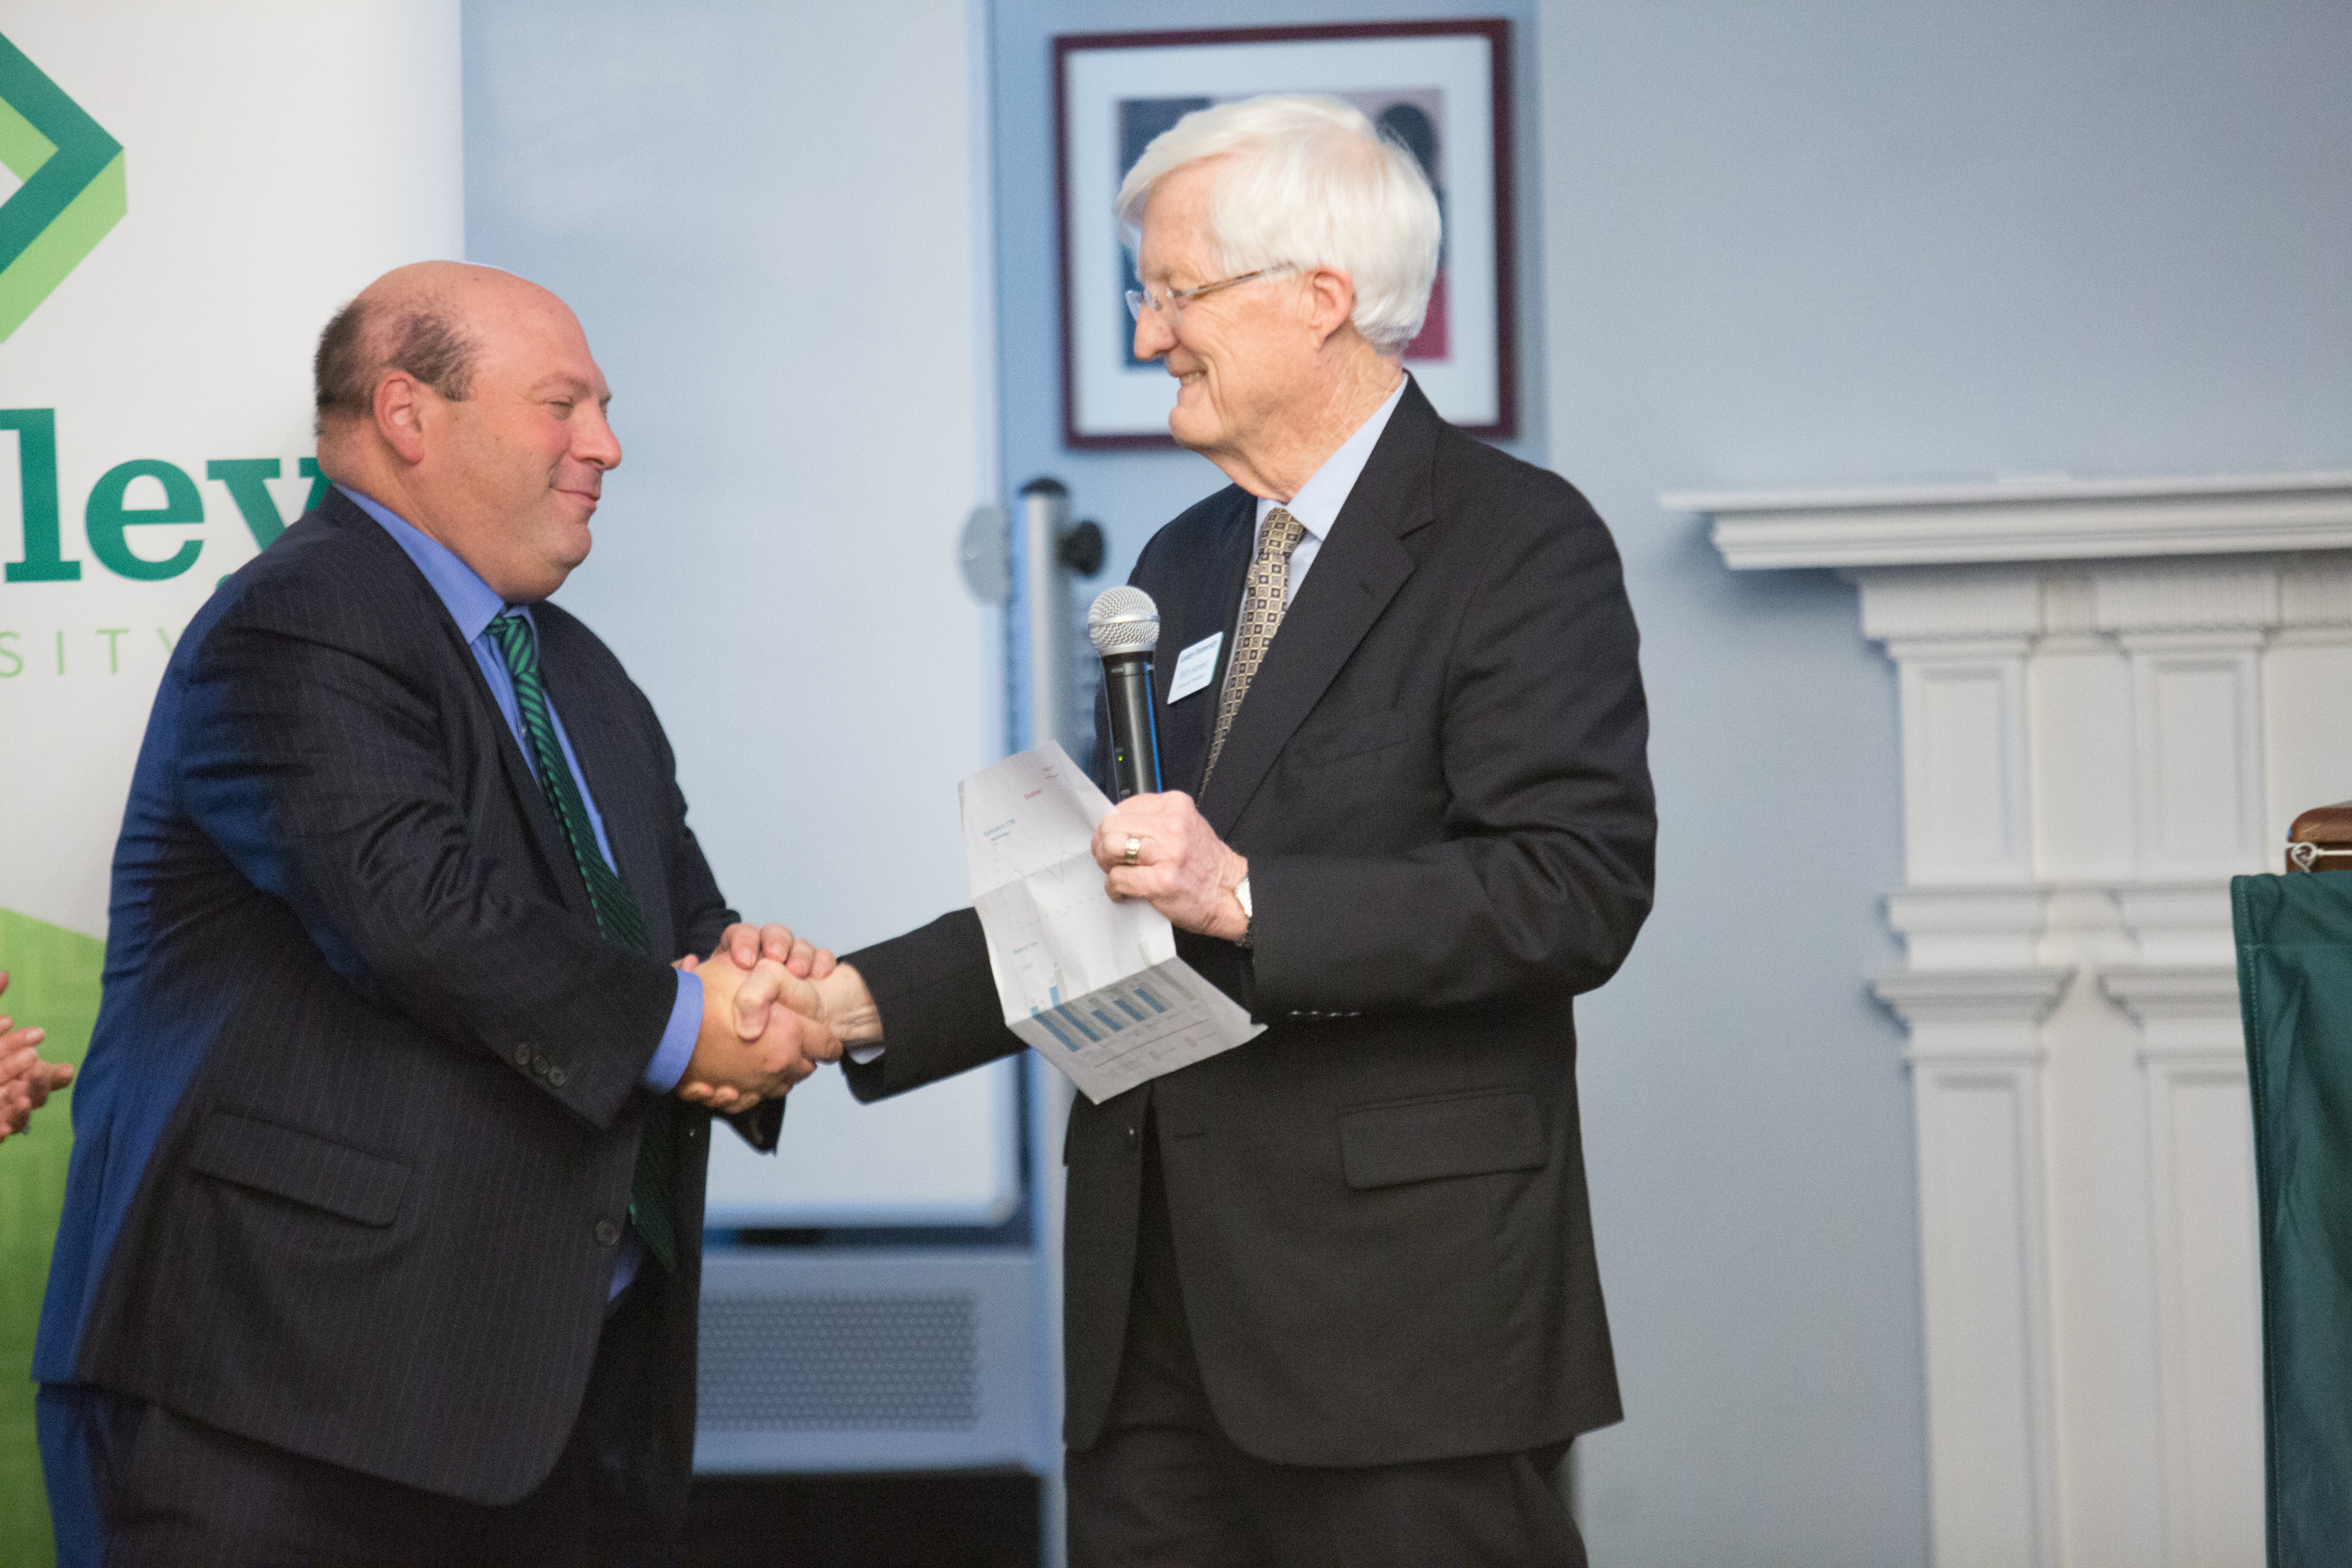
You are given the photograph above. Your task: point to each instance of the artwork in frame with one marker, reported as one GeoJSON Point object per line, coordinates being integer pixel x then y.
{"type": "Point", "coordinates": [1439, 88]}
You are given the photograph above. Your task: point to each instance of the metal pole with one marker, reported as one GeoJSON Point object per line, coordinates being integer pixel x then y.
{"type": "Point", "coordinates": [1046, 599]}
{"type": "Point", "coordinates": [1045, 603]}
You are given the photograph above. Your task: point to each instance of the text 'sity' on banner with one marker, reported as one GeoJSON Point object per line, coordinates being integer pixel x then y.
{"type": "Point", "coordinates": [186, 193]}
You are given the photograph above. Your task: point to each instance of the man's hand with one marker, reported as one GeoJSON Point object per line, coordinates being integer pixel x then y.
{"type": "Point", "coordinates": [836, 996]}
{"type": "Point", "coordinates": [1180, 867]}
{"type": "Point", "coordinates": [753, 1051]}
{"type": "Point", "coordinates": [830, 994]}
{"type": "Point", "coordinates": [746, 945]}
{"type": "Point", "coordinates": [25, 1080]}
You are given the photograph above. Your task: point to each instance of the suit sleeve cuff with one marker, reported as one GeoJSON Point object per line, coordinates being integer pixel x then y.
{"type": "Point", "coordinates": [677, 1047]}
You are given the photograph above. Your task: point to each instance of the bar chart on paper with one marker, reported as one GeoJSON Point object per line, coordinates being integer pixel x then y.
{"type": "Point", "coordinates": [1134, 1029]}
{"type": "Point", "coordinates": [1094, 986]}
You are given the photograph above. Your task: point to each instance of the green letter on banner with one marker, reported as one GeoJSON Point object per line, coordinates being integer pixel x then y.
{"type": "Point", "coordinates": [308, 469]}
{"type": "Point", "coordinates": [37, 476]}
{"type": "Point", "coordinates": [106, 516]}
{"type": "Point", "coordinates": [244, 478]}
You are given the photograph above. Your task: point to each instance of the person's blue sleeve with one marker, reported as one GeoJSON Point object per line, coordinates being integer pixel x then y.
{"type": "Point", "coordinates": [677, 1047]}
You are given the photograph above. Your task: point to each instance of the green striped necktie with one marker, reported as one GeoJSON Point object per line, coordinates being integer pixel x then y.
{"type": "Point", "coordinates": [651, 1208]}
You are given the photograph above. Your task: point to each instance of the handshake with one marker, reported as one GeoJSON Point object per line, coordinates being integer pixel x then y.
{"type": "Point", "coordinates": [773, 1008]}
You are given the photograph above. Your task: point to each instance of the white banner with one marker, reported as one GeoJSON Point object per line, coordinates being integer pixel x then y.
{"type": "Point", "coordinates": [190, 191]}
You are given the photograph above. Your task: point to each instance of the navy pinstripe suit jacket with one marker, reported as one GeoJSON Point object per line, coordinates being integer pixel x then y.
{"type": "Point", "coordinates": [356, 1130]}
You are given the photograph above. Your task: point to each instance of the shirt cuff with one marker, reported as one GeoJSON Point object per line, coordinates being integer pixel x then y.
{"type": "Point", "coordinates": [677, 1047]}
{"type": "Point", "coordinates": [864, 1055]}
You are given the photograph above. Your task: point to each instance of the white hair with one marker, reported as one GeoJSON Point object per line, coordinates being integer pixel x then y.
{"type": "Point", "coordinates": [1308, 182]}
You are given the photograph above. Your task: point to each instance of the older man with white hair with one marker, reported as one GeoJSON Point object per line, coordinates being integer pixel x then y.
{"type": "Point", "coordinates": [1331, 1296]}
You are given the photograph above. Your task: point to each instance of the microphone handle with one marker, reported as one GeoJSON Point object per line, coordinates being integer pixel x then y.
{"type": "Point", "coordinates": [1134, 724]}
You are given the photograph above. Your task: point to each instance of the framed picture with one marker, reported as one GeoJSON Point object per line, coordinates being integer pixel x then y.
{"type": "Point", "coordinates": [1441, 89]}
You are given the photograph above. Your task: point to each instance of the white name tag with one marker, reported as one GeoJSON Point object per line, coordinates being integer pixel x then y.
{"type": "Point", "coordinates": [1194, 666]}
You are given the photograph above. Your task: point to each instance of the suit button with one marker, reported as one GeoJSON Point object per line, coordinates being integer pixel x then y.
{"type": "Point", "coordinates": [607, 1233]}
{"type": "Point", "coordinates": [522, 1056]}
{"type": "Point", "coordinates": [555, 1077]}
{"type": "Point", "coordinates": [1134, 1135]}
{"type": "Point", "coordinates": [538, 1065]}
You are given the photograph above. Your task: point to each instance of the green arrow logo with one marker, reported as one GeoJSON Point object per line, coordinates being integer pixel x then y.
{"type": "Point", "coordinates": [73, 191]}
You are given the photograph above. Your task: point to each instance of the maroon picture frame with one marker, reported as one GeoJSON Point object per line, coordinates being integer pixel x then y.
{"type": "Point", "coordinates": [1496, 30]}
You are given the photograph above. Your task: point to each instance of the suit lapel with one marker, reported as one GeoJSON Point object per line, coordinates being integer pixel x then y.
{"type": "Point", "coordinates": [1358, 571]}
{"type": "Point", "coordinates": [539, 818]}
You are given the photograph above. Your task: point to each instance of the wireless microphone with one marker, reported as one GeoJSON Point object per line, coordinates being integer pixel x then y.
{"type": "Point", "coordinates": [1124, 626]}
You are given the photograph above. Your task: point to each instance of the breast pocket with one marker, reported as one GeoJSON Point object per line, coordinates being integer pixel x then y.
{"type": "Point", "coordinates": [1358, 742]}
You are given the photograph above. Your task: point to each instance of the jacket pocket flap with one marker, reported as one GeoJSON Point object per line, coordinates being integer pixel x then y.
{"type": "Point", "coordinates": [299, 1166]}
{"type": "Point", "coordinates": [1452, 1135]}
{"type": "Point", "coordinates": [1356, 737]}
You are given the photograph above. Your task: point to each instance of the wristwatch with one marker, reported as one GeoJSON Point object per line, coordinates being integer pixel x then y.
{"type": "Point", "coordinates": [1249, 914]}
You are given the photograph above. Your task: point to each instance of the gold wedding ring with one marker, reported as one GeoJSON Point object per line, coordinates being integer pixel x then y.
{"type": "Point", "coordinates": [1134, 847]}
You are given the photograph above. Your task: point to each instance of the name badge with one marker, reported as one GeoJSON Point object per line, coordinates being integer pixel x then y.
{"type": "Point", "coordinates": [1194, 666]}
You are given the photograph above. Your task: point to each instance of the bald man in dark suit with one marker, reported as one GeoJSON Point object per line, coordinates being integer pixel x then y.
{"type": "Point", "coordinates": [382, 1235]}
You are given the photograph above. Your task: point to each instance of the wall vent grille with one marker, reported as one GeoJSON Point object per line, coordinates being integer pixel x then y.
{"type": "Point", "coordinates": [839, 1361]}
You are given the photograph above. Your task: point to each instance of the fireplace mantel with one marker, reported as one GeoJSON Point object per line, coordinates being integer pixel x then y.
{"type": "Point", "coordinates": [2027, 519]}
{"type": "Point", "coordinates": [2114, 696]}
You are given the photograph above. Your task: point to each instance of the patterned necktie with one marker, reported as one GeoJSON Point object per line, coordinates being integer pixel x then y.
{"type": "Point", "coordinates": [1268, 595]}
{"type": "Point", "coordinates": [651, 1208]}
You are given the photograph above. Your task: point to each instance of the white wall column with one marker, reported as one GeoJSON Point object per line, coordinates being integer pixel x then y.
{"type": "Point", "coordinates": [1976, 1061]}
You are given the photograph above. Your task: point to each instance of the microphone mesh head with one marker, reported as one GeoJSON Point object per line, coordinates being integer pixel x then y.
{"type": "Point", "coordinates": [1123, 620]}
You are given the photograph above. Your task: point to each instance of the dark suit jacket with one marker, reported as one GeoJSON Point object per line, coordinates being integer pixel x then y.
{"type": "Point", "coordinates": [355, 1135]}
{"type": "Point", "coordinates": [1439, 780]}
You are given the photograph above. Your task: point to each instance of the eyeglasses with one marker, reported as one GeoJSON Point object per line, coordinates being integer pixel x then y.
{"type": "Point", "coordinates": [1172, 302]}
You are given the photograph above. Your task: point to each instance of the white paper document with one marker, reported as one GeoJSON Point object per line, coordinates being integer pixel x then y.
{"type": "Point", "coordinates": [1094, 986]}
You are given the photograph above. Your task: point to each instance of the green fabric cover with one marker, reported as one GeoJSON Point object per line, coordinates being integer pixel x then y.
{"type": "Point", "coordinates": [2294, 985]}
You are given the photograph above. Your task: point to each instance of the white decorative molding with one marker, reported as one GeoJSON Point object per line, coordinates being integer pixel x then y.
{"type": "Point", "coordinates": [2197, 726]}
{"type": "Point", "coordinates": [2182, 1010]}
{"type": "Point", "coordinates": [2236, 594]}
{"type": "Point", "coordinates": [2112, 699]}
{"type": "Point", "coordinates": [2183, 925]}
{"type": "Point", "coordinates": [1984, 929]}
{"type": "Point", "coordinates": [1974, 1013]}
{"type": "Point", "coordinates": [1977, 1056]}
{"type": "Point", "coordinates": [1984, 1265]}
{"type": "Point", "coordinates": [2208, 1296]}
{"type": "Point", "coordinates": [1964, 778]}
{"type": "Point", "coordinates": [2049, 519]}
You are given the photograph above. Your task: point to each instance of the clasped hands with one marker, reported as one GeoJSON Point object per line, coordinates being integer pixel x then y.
{"type": "Point", "coordinates": [748, 1050]}
{"type": "Point", "coordinates": [774, 1006]}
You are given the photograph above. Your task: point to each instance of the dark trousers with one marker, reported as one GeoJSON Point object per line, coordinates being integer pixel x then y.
{"type": "Point", "coordinates": [133, 1485]}
{"type": "Point", "coordinates": [1165, 1488]}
